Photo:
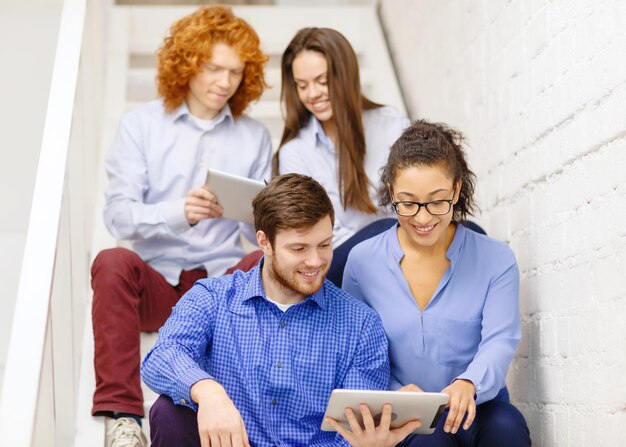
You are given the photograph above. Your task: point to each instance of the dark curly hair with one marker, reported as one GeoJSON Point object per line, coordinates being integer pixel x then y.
{"type": "Point", "coordinates": [190, 45]}
{"type": "Point", "coordinates": [427, 144]}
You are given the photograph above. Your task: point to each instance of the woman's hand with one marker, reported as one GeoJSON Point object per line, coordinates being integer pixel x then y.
{"type": "Point", "coordinates": [370, 435]}
{"type": "Point", "coordinates": [411, 387]}
{"type": "Point", "coordinates": [460, 403]}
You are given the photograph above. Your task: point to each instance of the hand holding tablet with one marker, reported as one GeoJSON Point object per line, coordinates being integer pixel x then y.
{"type": "Point", "coordinates": [405, 406]}
{"type": "Point", "coordinates": [235, 194]}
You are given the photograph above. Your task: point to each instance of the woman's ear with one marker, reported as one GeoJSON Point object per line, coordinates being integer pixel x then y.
{"type": "Point", "coordinates": [264, 243]}
{"type": "Point", "coordinates": [457, 191]}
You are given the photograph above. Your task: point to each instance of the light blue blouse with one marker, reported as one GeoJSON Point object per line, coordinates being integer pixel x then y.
{"type": "Point", "coordinates": [312, 153]}
{"type": "Point", "coordinates": [156, 158]}
{"type": "Point", "coordinates": [470, 328]}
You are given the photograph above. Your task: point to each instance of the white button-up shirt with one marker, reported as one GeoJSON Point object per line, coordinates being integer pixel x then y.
{"type": "Point", "coordinates": [313, 154]}
{"type": "Point", "coordinates": [156, 159]}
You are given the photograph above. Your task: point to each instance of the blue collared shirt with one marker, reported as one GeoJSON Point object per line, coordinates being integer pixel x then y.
{"type": "Point", "coordinates": [156, 159]}
{"type": "Point", "coordinates": [278, 368]}
{"type": "Point", "coordinates": [312, 153]}
{"type": "Point", "coordinates": [469, 329]}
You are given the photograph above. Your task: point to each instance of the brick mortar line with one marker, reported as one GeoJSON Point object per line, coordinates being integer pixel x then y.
{"type": "Point", "coordinates": [591, 104]}
{"type": "Point", "coordinates": [572, 407]}
{"type": "Point", "coordinates": [575, 311]}
{"type": "Point", "coordinates": [617, 192]}
{"type": "Point", "coordinates": [548, 179]}
{"type": "Point", "coordinates": [596, 354]}
{"type": "Point", "coordinates": [541, 315]}
{"type": "Point", "coordinates": [578, 259]}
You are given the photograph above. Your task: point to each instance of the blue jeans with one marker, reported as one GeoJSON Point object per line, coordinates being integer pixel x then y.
{"type": "Point", "coordinates": [497, 424]}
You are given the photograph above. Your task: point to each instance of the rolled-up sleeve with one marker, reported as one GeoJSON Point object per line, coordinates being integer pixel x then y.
{"type": "Point", "coordinates": [172, 367]}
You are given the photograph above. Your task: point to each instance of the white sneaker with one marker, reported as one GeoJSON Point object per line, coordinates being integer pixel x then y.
{"type": "Point", "coordinates": [124, 432]}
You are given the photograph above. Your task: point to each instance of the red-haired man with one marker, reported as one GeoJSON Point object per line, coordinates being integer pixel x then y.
{"type": "Point", "coordinates": [209, 69]}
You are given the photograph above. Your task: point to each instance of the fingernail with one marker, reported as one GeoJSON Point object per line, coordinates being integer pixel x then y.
{"type": "Point", "coordinates": [465, 427]}
{"type": "Point", "coordinates": [454, 430]}
{"type": "Point", "coordinates": [446, 429]}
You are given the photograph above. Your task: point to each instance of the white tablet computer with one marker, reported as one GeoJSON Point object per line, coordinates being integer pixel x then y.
{"type": "Point", "coordinates": [405, 406]}
{"type": "Point", "coordinates": [234, 193]}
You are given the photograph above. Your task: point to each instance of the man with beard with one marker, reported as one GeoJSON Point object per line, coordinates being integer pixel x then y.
{"type": "Point", "coordinates": [251, 358]}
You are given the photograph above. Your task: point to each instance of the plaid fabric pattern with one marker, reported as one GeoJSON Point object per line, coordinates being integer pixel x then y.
{"type": "Point", "coordinates": [279, 368]}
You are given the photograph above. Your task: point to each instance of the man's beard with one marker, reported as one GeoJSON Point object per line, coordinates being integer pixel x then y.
{"type": "Point", "coordinates": [289, 280]}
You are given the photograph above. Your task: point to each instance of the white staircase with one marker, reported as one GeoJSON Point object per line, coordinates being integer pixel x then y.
{"type": "Point", "coordinates": [63, 383]}
{"type": "Point", "coordinates": [136, 33]}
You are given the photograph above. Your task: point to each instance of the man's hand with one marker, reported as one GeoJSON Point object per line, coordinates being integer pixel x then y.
{"type": "Point", "coordinates": [201, 204]}
{"type": "Point", "coordinates": [219, 421]}
{"type": "Point", "coordinates": [370, 435]}
{"type": "Point", "coordinates": [411, 387]}
{"type": "Point", "coordinates": [461, 401]}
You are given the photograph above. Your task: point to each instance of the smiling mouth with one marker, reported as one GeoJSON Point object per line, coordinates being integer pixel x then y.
{"type": "Point", "coordinates": [320, 105]}
{"type": "Point", "coordinates": [424, 230]}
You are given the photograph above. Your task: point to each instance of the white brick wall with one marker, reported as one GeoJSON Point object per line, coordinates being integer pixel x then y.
{"type": "Point", "coordinates": [539, 89]}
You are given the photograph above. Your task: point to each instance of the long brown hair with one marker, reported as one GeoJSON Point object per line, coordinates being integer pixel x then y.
{"type": "Point", "coordinates": [347, 102]}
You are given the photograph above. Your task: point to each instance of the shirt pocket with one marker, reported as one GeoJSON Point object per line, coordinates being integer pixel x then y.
{"type": "Point", "coordinates": [458, 340]}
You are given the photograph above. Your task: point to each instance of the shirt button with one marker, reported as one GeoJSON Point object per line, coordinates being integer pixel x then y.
{"type": "Point", "coordinates": [283, 324]}
{"type": "Point", "coordinates": [183, 401]}
{"type": "Point", "coordinates": [478, 387]}
{"type": "Point", "coordinates": [274, 402]}
{"type": "Point", "coordinates": [279, 365]}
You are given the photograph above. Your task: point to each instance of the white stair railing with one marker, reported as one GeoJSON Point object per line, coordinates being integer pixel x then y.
{"type": "Point", "coordinates": [39, 393]}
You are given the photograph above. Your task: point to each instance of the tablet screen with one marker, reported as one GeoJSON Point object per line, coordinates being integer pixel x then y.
{"type": "Point", "coordinates": [235, 194]}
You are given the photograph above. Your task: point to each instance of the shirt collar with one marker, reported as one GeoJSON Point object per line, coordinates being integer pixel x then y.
{"type": "Point", "coordinates": [255, 289]}
{"type": "Point", "coordinates": [457, 242]}
{"type": "Point", "coordinates": [183, 111]}
{"type": "Point", "coordinates": [316, 131]}
{"type": "Point", "coordinates": [453, 250]}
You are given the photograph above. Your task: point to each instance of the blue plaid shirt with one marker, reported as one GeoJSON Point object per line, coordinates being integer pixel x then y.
{"type": "Point", "coordinates": [278, 368]}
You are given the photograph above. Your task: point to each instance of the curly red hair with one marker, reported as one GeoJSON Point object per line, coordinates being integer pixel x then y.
{"type": "Point", "coordinates": [189, 45]}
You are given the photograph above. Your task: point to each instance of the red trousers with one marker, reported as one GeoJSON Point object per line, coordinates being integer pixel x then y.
{"type": "Point", "coordinates": [129, 297]}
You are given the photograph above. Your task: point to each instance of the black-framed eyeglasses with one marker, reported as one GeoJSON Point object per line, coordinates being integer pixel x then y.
{"type": "Point", "coordinates": [436, 207]}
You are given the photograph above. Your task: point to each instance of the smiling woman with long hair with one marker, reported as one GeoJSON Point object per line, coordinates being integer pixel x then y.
{"type": "Point", "coordinates": [335, 134]}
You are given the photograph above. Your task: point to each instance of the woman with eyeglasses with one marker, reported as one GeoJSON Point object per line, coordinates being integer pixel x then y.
{"type": "Point", "coordinates": [448, 297]}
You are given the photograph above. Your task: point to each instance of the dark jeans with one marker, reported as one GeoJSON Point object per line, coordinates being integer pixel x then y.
{"type": "Point", "coordinates": [497, 424]}
{"type": "Point", "coordinates": [173, 425]}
